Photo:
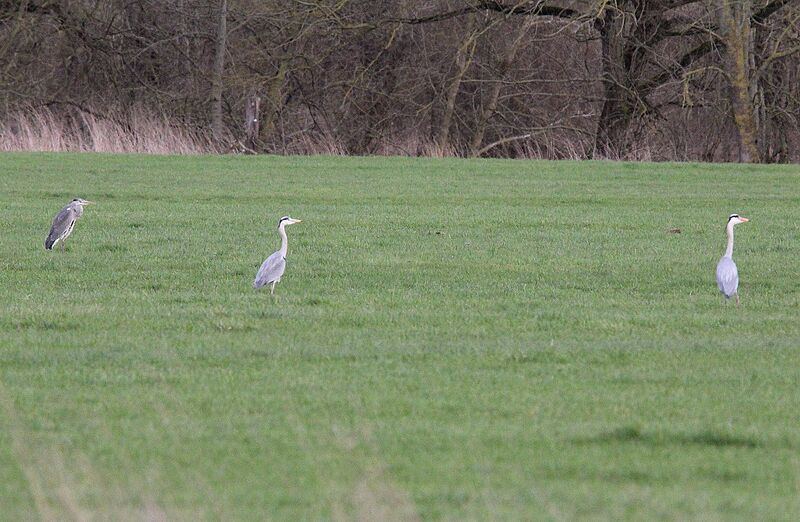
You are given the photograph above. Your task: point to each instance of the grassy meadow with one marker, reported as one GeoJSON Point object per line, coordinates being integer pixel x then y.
{"type": "Point", "coordinates": [452, 340]}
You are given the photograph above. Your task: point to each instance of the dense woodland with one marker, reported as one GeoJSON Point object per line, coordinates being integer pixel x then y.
{"type": "Point", "coordinates": [711, 80]}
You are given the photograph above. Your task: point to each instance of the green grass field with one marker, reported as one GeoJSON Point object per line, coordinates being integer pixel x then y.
{"type": "Point", "coordinates": [452, 340]}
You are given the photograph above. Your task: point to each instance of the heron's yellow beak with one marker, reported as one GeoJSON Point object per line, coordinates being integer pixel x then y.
{"type": "Point", "coordinates": [89, 203]}
{"type": "Point", "coordinates": [745, 220]}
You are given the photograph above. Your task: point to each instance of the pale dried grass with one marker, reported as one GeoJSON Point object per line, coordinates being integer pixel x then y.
{"type": "Point", "coordinates": [315, 144]}
{"type": "Point", "coordinates": [44, 129]}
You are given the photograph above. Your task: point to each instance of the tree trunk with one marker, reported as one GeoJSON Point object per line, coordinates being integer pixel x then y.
{"type": "Point", "coordinates": [735, 32]}
{"type": "Point", "coordinates": [274, 101]}
{"type": "Point", "coordinates": [619, 103]}
{"type": "Point", "coordinates": [217, 72]}
{"type": "Point", "coordinates": [494, 93]}
{"type": "Point", "coordinates": [463, 60]}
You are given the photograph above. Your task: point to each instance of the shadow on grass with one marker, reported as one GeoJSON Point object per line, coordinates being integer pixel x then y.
{"type": "Point", "coordinates": [536, 357]}
{"type": "Point", "coordinates": [645, 475]}
{"type": "Point", "coordinates": [41, 325]}
{"type": "Point", "coordinates": [701, 438]}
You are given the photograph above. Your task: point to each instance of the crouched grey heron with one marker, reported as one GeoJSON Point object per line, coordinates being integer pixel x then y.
{"type": "Point", "coordinates": [275, 265]}
{"type": "Point", "coordinates": [727, 274]}
{"type": "Point", "coordinates": [64, 222]}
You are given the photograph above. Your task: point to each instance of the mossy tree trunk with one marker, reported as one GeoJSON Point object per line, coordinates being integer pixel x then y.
{"type": "Point", "coordinates": [736, 33]}
{"type": "Point", "coordinates": [217, 72]}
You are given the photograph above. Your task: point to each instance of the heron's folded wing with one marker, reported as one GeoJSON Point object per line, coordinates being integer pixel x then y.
{"type": "Point", "coordinates": [270, 270]}
{"type": "Point", "coordinates": [60, 224]}
{"type": "Point", "coordinates": [727, 276]}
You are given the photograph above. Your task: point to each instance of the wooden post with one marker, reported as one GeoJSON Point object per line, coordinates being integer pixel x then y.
{"type": "Point", "coordinates": [251, 122]}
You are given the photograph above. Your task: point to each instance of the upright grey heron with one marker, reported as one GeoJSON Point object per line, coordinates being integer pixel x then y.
{"type": "Point", "coordinates": [275, 265]}
{"type": "Point", "coordinates": [64, 222]}
{"type": "Point", "coordinates": [727, 275]}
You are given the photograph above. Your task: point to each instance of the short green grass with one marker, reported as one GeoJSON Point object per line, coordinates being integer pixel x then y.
{"type": "Point", "coordinates": [452, 340]}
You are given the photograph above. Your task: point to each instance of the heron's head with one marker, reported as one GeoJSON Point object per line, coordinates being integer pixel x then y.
{"type": "Point", "coordinates": [82, 202]}
{"type": "Point", "coordinates": [286, 220]}
{"type": "Point", "coordinates": [735, 219]}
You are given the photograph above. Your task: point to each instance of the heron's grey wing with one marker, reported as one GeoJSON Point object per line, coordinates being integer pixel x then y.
{"type": "Point", "coordinates": [271, 270]}
{"type": "Point", "coordinates": [61, 223]}
{"type": "Point", "coordinates": [727, 276]}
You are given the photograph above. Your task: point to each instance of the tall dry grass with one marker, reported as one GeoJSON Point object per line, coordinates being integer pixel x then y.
{"type": "Point", "coordinates": [143, 131]}
{"type": "Point", "coordinates": [138, 130]}
{"type": "Point", "coordinates": [313, 144]}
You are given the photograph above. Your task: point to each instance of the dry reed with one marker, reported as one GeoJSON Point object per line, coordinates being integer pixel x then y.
{"type": "Point", "coordinates": [137, 130]}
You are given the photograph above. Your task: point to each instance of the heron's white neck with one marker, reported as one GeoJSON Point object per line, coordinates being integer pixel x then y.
{"type": "Point", "coordinates": [729, 249]}
{"type": "Point", "coordinates": [284, 240]}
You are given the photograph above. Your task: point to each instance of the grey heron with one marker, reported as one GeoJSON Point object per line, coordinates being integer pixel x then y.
{"type": "Point", "coordinates": [727, 275]}
{"type": "Point", "coordinates": [275, 265]}
{"type": "Point", "coordinates": [64, 222]}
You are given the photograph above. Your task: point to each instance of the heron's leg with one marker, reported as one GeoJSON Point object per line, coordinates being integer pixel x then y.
{"type": "Point", "coordinates": [272, 290]}
{"type": "Point", "coordinates": [737, 298]}
{"type": "Point", "coordinates": [62, 245]}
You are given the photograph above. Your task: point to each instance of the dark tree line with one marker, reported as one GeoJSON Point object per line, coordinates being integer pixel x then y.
{"type": "Point", "coordinates": [713, 80]}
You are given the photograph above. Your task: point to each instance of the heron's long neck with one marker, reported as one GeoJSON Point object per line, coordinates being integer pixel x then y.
{"type": "Point", "coordinates": [284, 241]}
{"type": "Point", "coordinates": [729, 249]}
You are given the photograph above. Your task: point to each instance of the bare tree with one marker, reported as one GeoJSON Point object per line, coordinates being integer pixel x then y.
{"type": "Point", "coordinates": [662, 79]}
